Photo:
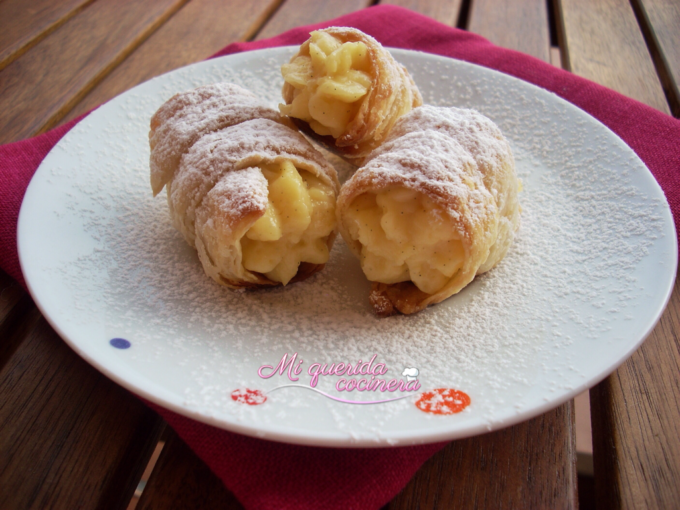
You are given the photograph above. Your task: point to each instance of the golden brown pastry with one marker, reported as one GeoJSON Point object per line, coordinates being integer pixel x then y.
{"type": "Point", "coordinates": [255, 199]}
{"type": "Point", "coordinates": [187, 116]}
{"type": "Point", "coordinates": [344, 88]}
{"type": "Point", "coordinates": [432, 207]}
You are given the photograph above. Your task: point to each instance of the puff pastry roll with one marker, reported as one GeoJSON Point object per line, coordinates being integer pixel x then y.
{"type": "Point", "coordinates": [433, 206]}
{"type": "Point", "coordinates": [257, 201]}
{"type": "Point", "coordinates": [346, 90]}
{"type": "Point", "coordinates": [187, 116]}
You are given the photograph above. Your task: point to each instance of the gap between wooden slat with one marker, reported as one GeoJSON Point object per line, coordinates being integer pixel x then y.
{"type": "Point", "coordinates": [252, 35]}
{"type": "Point", "coordinates": [552, 23]}
{"type": "Point", "coordinates": [665, 52]}
{"type": "Point", "coordinates": [181, 480]}
{"type": "Point", "coordinates": [464, 15]}
{"type": "Point", "coordinates": [146, 475]}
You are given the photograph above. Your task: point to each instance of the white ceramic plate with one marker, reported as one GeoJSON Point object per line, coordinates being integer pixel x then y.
{"type": "Point", "coordinates": [585, 282]}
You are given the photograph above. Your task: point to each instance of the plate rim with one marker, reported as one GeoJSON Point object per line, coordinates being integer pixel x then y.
{"type": "Point", "coordinates": [337, 439]}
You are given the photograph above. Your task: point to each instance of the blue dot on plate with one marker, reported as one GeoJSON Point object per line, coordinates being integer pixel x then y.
{"type": "Point", "coordinates": [120, 343]}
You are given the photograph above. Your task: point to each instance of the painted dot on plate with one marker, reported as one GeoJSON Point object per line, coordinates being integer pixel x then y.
{"type": "Point", "coordinates": [443, 401]}
{"type": "Point", "coordinates": [248, 396]}
{"type": "Point", "coordinates": [120, 343]}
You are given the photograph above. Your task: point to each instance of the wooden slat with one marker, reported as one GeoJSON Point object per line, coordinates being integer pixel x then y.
{"type": "Point", "coordinates": [636, 423]}
{"type": "Point", "coordinates": [181, 481]}
{"type": "Point", "coordinates": [602, 41]}
{"type": "Point", "coordinates": [294, 13]}
{"type": "Point", "coordinates": [70, 437]}
{"type": "Point", "coordinates": [555, 57]}
{"type": "Point", "coordinates": [200, 29]}
{"type": "Point", "coordinates": [530, 465]}
{"type": "Point", "coordinates": [636, 411]}
{"type": "Point", "coordinates": [444, 11]}
{"type": "Point", "coordinates": [662, 19]}
{"type": "Point", "coordinates": [40, 87]}
{"type": "Point", "coordinates": [28, 22]}
{"type": "Point", "coordinates": [584, 432]}
{"type": "Point", "coordinates": [521, 26]}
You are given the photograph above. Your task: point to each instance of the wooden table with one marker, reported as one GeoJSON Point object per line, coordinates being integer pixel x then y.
{"type": "Point", "coordinates": [71, 438]}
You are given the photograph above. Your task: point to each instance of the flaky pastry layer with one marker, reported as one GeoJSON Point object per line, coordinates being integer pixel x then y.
{"type": "Point", "coordinates": [257, 201]}
{"type": "Point", "coordinates": [187, 116]}
{"type": "Point", "coordinates": [432, 207]}
{"type": "Point", "coordinates": [254, 198]}
{"type": "Point", "coordinates": [354, 85]}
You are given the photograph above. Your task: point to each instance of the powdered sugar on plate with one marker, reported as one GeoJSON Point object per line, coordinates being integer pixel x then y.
{"type": "Point", "coordinates": [587, 276]}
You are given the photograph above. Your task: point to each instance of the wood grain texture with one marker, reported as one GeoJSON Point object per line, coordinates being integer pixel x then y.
{"type": "Point", "coordinates": [556, 57]}
{"type": "Point", "coordinates": [635, 412]}
{"type": "Point", "coordinates": [181, 481]}
{"type": "Point", "coordinates": [69, 437]}
{"type": "Point", "coordinates": [200, 29]}
{"type": "Point", "coordinates": [294, 13]}
{"type": "Point", "coordinates": [518, 25]}
{"type": "Point", "coordinates": [530, 465]}
{"type": "Point", "coordinates": [661, 19]}
{"type": "Point", "coordinates": [444, 11]}
{"type": "Point", "coordinates": [602, 41]}
{"type": "Point", "coordinates": [40, 87]}
{"type": "Point", "coordinates": [584, 431]}
{"type": "Point", "coordinates": [26, 22]}
{"type": "Point", "coordinates": [636, 423]}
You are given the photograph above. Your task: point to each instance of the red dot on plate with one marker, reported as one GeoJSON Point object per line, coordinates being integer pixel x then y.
{"type": "Point", "coordinates": [248, 396]}
{"type": "Point", "coordinates": [443, 401]}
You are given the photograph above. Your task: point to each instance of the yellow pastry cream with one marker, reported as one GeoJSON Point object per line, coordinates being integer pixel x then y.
{"type": "Point", "coordinates": [330, 79]}
{"type": "Point", "coordinates": [300, 216]}
{"type": "Point", "coordinates": [405, 236]}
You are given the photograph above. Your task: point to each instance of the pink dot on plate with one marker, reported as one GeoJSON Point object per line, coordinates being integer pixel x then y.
{"type": "Point", "coordinates": [248, 396]}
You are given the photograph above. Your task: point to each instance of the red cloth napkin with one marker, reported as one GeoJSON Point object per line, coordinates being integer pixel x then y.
{"type": "Point", "coordinates": [268, 475]}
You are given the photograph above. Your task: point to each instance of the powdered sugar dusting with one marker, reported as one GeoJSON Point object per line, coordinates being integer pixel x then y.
{"type": "Point", "coordinates": [216, 155]}
{"type": "Point", "coordinates": [428, 161]}
{"type": "Point", "coordinates": [564, 301]}
{"type": "Point", "coordinates": [244, 191]}
{"type": "Point", "coordinates": [188, 115]}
